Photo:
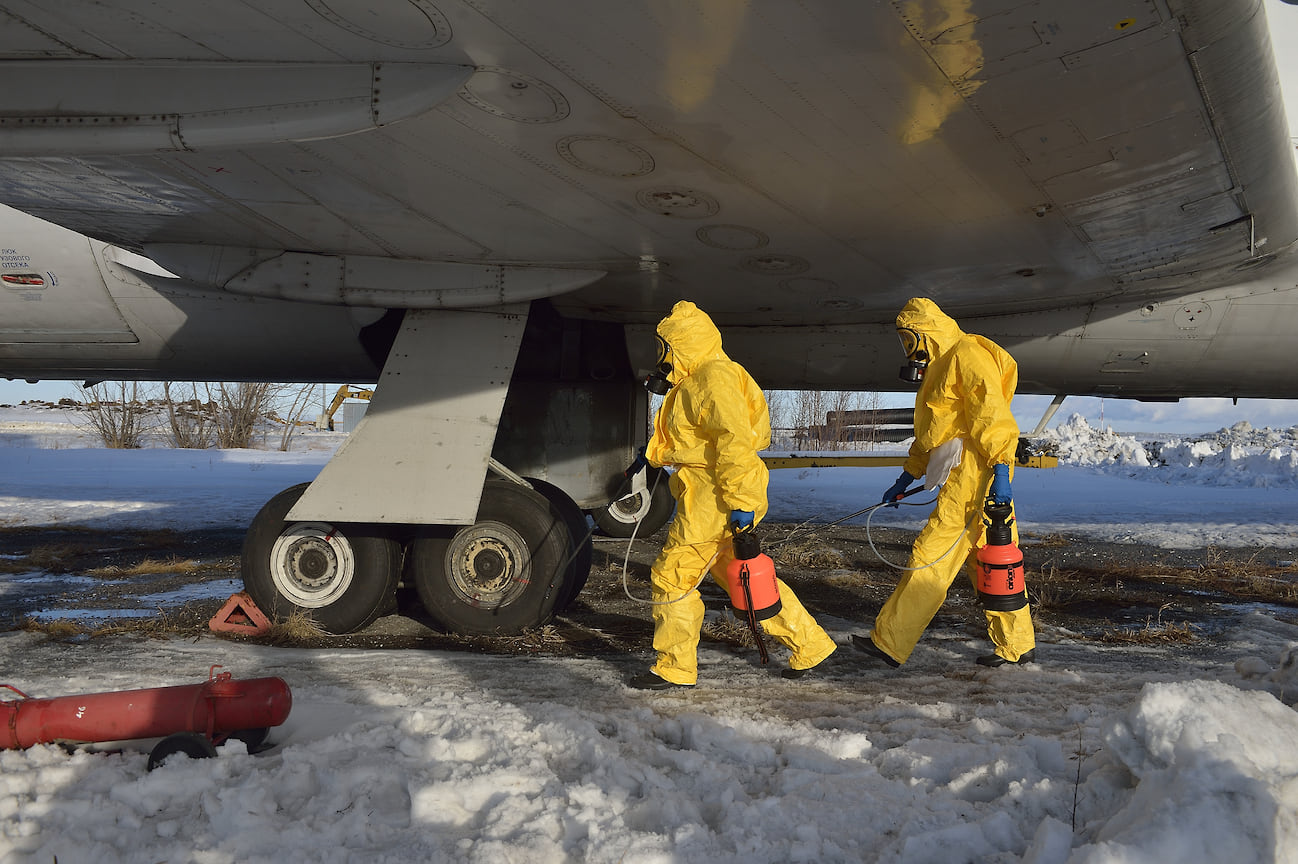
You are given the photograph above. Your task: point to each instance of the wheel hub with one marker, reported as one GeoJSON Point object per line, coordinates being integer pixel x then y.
{"type": "Point", "coordinates": [312, 561]}
{"type": "Point", "coordinates": [312, 564]}
{"type": "Point", "coordinates": [488, 564]}
{"type": "Point", "coordinates": [630, 509]}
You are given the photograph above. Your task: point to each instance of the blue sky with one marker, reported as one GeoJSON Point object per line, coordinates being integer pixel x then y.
{"type": "Point", "coordinates": [1126, 417]}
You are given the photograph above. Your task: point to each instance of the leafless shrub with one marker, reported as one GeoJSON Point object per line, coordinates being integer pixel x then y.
{"type": "Point", "coordinates": [190, 419]}
{"type": "Point", "coordinates": [822, 419]}
{"type": "Point", "coordinates": [117, 412]}
{"type": "Point", "coordinates": [293, 401]}
{"type": "Point", "coordinates": [239, 408]}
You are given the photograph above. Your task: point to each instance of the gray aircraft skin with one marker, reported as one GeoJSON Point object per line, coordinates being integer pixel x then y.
{"type": "Point", "coordinates": [485, 206]}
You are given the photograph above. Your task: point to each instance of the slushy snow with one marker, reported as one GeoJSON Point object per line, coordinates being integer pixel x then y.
{"type": "Point", "coordinates": [1101, 753]}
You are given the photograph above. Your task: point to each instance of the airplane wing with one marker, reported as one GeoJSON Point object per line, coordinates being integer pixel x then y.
{"type": "Point", "coordinates": [781, 164]}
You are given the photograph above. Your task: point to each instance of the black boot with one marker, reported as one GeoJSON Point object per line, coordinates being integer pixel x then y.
{"type": "Point", "coordinates": [650, 681]}
{"type": "Point", "coordinates": [866, 645]}
{"type": "Point", "coordinates": [994, 660]}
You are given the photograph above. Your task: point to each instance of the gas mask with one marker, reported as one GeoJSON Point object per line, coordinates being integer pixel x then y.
{"type": "Point", "coordinates": [916, 357]}
{"type": "Point", "coordinates": [656, 382]}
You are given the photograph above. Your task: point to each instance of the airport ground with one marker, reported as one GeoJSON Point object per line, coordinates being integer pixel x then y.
{"type": "Point", "coordinates": [81, 585]}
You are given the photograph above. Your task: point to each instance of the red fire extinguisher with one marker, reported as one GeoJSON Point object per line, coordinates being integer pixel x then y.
{"type": "Point", "coordinates": [194, 714]}
{"type": "Point", "coordinates": [1001, 583]}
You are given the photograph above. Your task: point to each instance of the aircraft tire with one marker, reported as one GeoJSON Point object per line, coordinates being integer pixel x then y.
{"type": "Point", "coordinates": [341, 576]}
{"type": "Point", "coordinates": [652, 509]}
{"type": "Point", "coordinates": [580, 553]}
{"type": "Point", "coordinates": [500, 575]}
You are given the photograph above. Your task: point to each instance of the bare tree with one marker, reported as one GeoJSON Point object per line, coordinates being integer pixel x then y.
{"type": "Point", "coordinates": [836, 429]}
{"type": "Point", "coordinates": [808, 414]}
{"type": "Point", "coordinates": [777, 405]}
{"type": "Point", "coordinates": [871, 401]}
{"type": "Point", "coordinates": [294, 400]}
{"type": "Point", "coordinates": [190, 420]}
{"type": "Point", "coordinates": [239, 408]}
{"type": "Point", "coordinates": [118, 412]}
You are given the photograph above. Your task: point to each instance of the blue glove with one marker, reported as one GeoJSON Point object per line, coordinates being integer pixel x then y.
{"type": "Point", "coordinates": [890, 497]}
{"type": "Point", "coordinates": [1000, 491]}
{"type": "Point", "coordinates": [741, 520]}
{"type": "Point", "coordinates": [638, 465]}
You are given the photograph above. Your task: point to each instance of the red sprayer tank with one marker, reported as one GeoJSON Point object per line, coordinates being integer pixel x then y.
{"type": "Point", "coordinates": [751, 577]}
{"type": "Point", "coordinates": [1001, 583]}
{"type": "Point", "coordinates": [215, 708]}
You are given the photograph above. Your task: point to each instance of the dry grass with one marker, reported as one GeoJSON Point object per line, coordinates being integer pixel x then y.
{"type": "Point", "coordinates": [1254, 579]}
{"type": "Point", "coordinates": [62, 557]}
{"type": "Point", "coordinates": [297, 629]}
{"type": "Point", "coordinates": [1155, 632]}
{"type": "Point", "coordinates": [188, 620]}
{"type": "Point", "coordinates": [55, 558]}
{"type": "Point", "coordinates": [148, 567]}
{"type": "Point", "coordinates": [810, 554]}
{"type": "Point", "coordinates": [1050, 591]}
{"type": "Point", "coordinates": [1249, 579]}
{"type": "Point", "coordinates": [59, 629]}
{"type": "Point", "coordinates": [534, 639]}
{"type": "Point", "coordinates": [1028, 540]}
{"type": "Point", "coordinates": [730, 630]}
{"type": "Point", "coordinates": [850, 579]}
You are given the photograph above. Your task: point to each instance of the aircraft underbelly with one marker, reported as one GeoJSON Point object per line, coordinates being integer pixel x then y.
{"type": "Point", "coordinates": [52, 290]}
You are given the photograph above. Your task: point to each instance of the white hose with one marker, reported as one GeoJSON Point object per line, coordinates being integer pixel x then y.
{"type": "Point", "coordinates": [626, 587]}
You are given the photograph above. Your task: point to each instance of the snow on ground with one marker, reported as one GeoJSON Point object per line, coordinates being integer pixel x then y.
{"type": "Point", "coordinates": [1098, 754]}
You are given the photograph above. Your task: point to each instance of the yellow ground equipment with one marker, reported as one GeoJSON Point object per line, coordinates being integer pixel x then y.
{"type": "Point", "coordinates": [344, 393]}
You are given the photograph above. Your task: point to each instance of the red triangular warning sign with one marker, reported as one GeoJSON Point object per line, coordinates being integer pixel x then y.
{"type": "Point", "coordinates": [239, 615]}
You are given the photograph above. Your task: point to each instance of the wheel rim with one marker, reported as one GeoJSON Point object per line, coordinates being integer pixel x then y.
{"type": "Point", "coordinates": [311, 564]}
{"type": "Point", "coordinates": [630, 509]}
{"type": "Point", "coordinates": [488, 565]}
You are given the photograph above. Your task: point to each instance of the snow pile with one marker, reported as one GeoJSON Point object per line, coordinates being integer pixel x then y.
{"type": "Point", "coordinates": [1245, 434]}
{"type": "Point", "coordinates": [1212, 783]}
{"type": "Point", "coordinates": [1233, 465]}
{"type": "Point", "coordinates": [1078, 443]}
{"type": "Point", "coordinates": [1240, 455]}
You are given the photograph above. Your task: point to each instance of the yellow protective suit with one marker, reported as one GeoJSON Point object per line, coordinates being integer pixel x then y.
{"type": "Point", "coordinates": [710, 427]}
{"type": "Point", "coordinates": [965, 393]}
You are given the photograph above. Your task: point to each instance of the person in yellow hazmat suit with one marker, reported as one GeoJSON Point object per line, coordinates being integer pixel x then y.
{"type": "Point", "coordinates": [966, 384]}
{"type": "Point", "coordinates": [710, 428]}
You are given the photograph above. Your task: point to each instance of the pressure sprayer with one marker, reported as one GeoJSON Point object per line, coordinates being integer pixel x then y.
{"type": "Point", "coordinates": [1001, 583]}
{"type": "Point", "coordinates": [752, 585]}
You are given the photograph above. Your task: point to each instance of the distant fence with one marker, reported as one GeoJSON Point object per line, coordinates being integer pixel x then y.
{"type": "Point", "coordinates": [856, 427]}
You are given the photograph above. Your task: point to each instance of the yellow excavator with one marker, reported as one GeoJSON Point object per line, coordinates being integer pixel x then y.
{"type": "Point", "coordinates": [344, 393]}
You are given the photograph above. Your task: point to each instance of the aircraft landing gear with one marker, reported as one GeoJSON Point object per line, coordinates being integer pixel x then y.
{"type": "Point", "coordinates": [340, 576]}
{"type": "Point", "coordinates": [493, 557]}
{"type": "Point", "coordinates": [650, 508]}
{"type": "Point", "coordinates": [504, 573]}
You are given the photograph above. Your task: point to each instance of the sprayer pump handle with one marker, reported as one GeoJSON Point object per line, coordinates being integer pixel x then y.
{"type": "Point", "coordinates": [747, 546]}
